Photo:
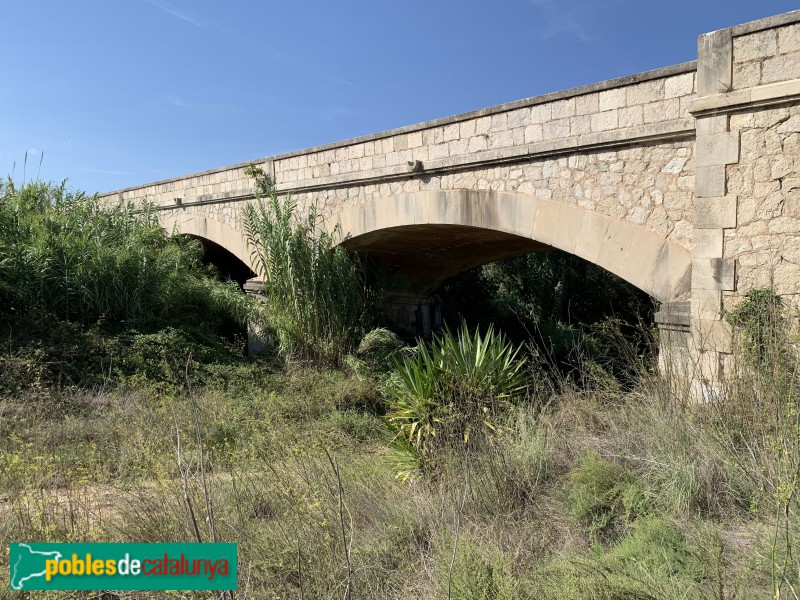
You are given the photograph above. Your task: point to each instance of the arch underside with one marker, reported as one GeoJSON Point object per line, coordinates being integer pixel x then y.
{"type": "Point", "coordinates": [431, 236]}
{"type": "Point", "coordinates": [214, 231]}
{"type": "Point", "coordinates": [430, 254]}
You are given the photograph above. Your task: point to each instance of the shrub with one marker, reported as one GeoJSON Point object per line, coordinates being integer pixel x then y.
{"type": "Point", "coordinates": [758, 420]}
{"type": "Point", "coordinates": [603, 496]}
{"type": "Point", "coordinates": [465, 573]}
{"type": "Point", "coordinates": [652, 561]}
{"type": "Point", "coordinates": [377, 352]}
{"type": "Point", "coordinates": [586, 580]}
{"type": "Point", "coordinates": [65, 255]}
{"type": "Point", "coordinates": [761, 325]}
{"type": "Point", "coordinates": [656, 547]}
{"type": "Point", "coordinates": [454, 391]}
{"type": "Point", "coordinates": [89, 292]}
{"type": "Point", "coordinates": [548, 296]}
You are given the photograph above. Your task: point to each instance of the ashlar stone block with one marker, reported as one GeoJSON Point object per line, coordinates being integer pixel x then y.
{"type": "Point", "coordinates": [707, 243]}
{"type": "Point", "coordinates": [714, 213]}
{"type": "Point", "coordinates": [679, 85]}
{"type": "Point", "coordinates": [714, 62]}
{"type": "Point", "coordinates": [789, 39]}
{"type": "Point", "coordinates": [710, 181]}
{"type": "Point", "coordinates": [713, 274]}
{"type": "Point", "coordinates": [755, 46]}
{"type": "Point", "coordinates": [718, 149]}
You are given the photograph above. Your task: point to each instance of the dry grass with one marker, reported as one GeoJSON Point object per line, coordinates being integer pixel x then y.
{"type": "Point", "coordinates": [507, 520]}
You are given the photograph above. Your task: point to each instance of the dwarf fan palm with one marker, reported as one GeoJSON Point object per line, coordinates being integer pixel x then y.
{"type": "Point", "coordinates": [454, 390]}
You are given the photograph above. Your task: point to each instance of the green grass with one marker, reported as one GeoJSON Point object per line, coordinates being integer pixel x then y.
{"type": "Point", "coordinates": [567, 502]}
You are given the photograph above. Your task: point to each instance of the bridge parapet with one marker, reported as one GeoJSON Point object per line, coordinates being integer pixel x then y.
{"type": "Point", "coordinates": [652, 105]}
{"type": "Point", "coordinates": [648, 106]}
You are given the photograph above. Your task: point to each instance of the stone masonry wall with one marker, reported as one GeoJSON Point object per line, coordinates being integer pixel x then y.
{"type": "Point", "coordinates": [766, 241]}
{"type": "Point", "coordinates": [650, 185]}
{"type": "Point", "coordinates": [767, 56]}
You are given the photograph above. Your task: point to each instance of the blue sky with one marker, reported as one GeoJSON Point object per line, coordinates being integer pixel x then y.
{"type": "Point", "coordinates": [122, 92]}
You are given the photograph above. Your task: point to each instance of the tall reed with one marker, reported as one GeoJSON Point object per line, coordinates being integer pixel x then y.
{"type": "Point", "coordinates": [64, 255]}
{"type": "Point", "coordinates": [319, 304]}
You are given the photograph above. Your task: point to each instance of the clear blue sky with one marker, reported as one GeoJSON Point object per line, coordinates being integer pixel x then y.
{"type": "Point", "coordinates": [121, 92]}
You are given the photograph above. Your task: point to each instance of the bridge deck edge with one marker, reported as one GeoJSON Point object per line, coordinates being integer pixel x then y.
{"type": "Point", "coordinates": [686, 67]}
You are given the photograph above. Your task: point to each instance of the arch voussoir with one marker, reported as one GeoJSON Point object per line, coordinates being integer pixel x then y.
{"type": "Point", "coordinates": [213, 230]}
{"type": "Point", "coordinates": [640, 256]}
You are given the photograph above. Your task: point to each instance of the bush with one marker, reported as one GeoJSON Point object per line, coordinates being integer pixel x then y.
{"type": "Point", "coordinates": [90, 292]}
{"type": "Point", "coordinates": [603, 496]}
{"type": "Point", "coordinates": [655, 547]}
{"type": "Point", "coordinates": [377, 352]}
{"type": "Point", "coordinates": [466, 574]}
{"type": "Point", "coordinates": [453, 392]}
{"type": "Point", "coordinates": [586, 580]}
{"type": "Point", "coordinates": [68, 257]}
{"type": "Point", "coordinates": [761, 326]}
{"type": "Point", "coordinates": [758, 419]}
{"type": "Point", "coordinates": [652, 561]}
{"type": "Point", "coordinates": [549, 296]}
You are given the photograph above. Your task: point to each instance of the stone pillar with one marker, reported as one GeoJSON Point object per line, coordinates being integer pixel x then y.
{"type": "Point", "coordinates": [414, 315]}
{"type": "Point", "coordinates": [257, 340]}
{"type": "Point", "coordinates": [714, 211]}
{"type": "Point", "coordinates": [674, 336]}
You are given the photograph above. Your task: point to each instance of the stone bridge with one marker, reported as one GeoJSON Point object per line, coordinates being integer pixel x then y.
{"type": "Point", "coordinates": [684, 181]}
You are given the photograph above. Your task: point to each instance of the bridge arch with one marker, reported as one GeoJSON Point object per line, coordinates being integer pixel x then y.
{"type": "Point", "coordinates": [211, 230]}
{"type": "Point", "coordinates": [499, 224]}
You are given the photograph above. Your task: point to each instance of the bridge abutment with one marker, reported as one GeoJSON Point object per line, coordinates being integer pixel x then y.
{"type": "Point", "coordinates": [747, 180]}
{"type": "Point", "coordinates": [414, 315]}
{"type": "Point", "coordinates": [258, 340]}
{"type": "Point", "coordinates": [673, 321]}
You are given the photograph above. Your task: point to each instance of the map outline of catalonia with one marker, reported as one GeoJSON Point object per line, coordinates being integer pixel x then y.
{"type": "Point", "coordinates": [14, 574]}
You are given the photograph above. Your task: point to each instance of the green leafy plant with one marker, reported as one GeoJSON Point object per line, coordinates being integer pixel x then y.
{"type": "Point", "coordinates": [551, 299]}
{"type": "Point", "coordinates": [376, 353]}
{"type": "Point", "coordinates": [82, 283]}
{"type": "Point", "coordinates": [761, 325]}
{"type": "Point", "coordinates": [319, 305]}
{"type": "Point", "coordinates": [603, 496]}
{"type": "Point", "coordinates": [65, 255]}
{"type": "Point", "coordinates": [454, 390]}
{"type": "Point", "coordinates": [761, 416]}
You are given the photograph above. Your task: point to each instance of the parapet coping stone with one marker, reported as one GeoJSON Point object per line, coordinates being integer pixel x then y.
{"type": "Point", "coordinates": [773, 22]}
{"type": "Point", "coordinates": [679, 69]}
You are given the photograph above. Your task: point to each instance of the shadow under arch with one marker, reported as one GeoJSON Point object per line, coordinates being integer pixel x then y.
{"type": "Point", "coordinates": [225, 246]}
{"type": "Point", "coordinates": [434, 235]}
